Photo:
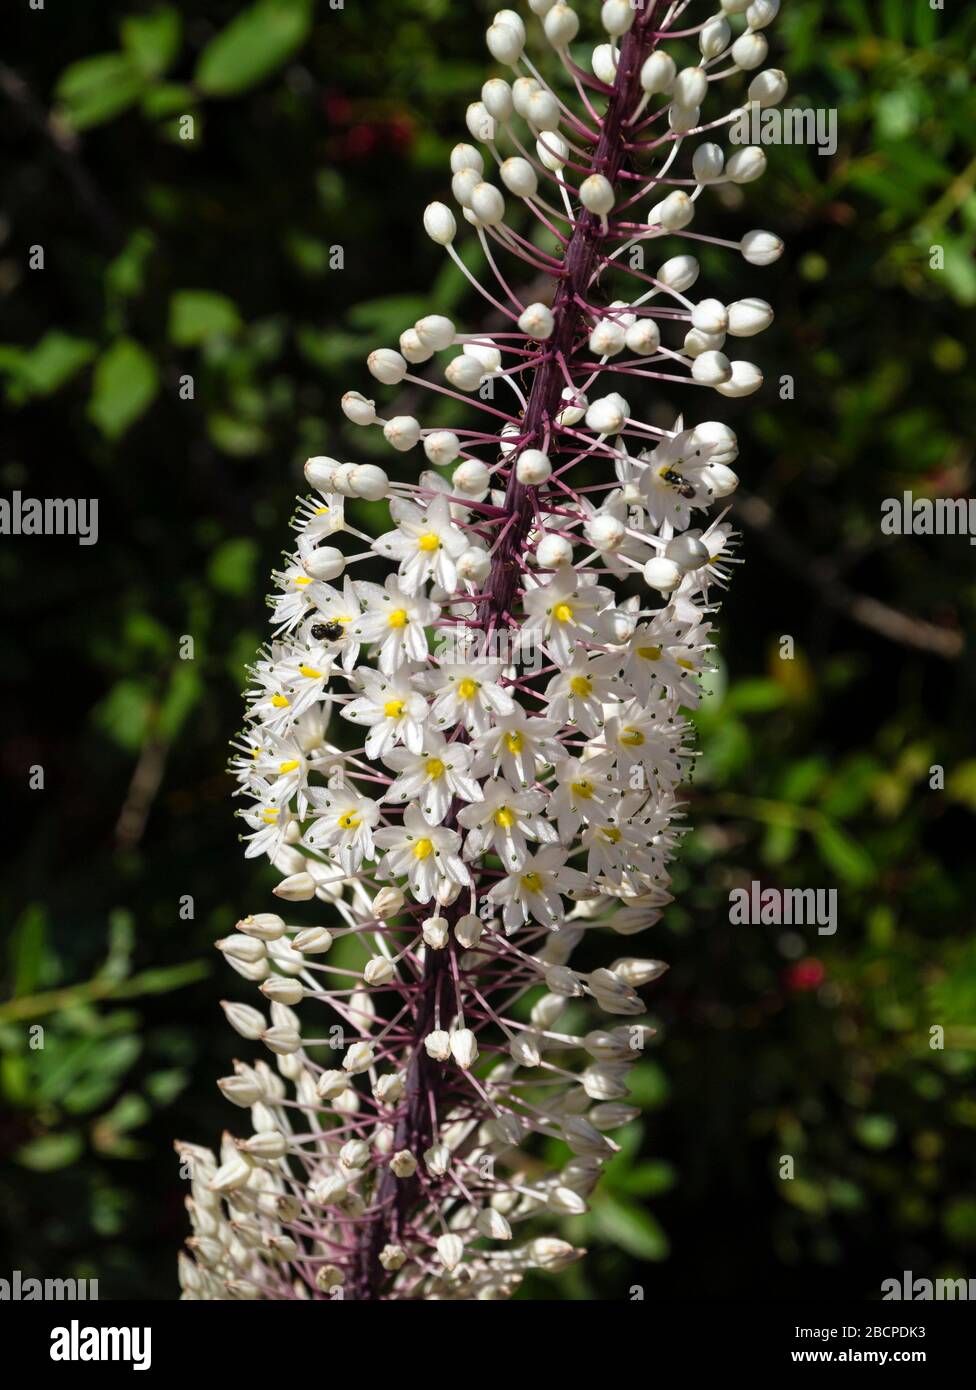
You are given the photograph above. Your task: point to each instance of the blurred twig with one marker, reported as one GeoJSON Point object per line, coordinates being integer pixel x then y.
{"type": "Point", "coordinates": [92, 991]}
{"type": "Point", "coordinates": [870, 612]}
{"type": "Point", "coordinates": [63, 141]}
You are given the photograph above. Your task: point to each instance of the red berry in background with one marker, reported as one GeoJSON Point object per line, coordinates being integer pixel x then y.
{"type": "Point", "coordinates": [805, 975]}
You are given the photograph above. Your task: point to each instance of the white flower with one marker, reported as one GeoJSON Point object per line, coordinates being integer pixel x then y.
{"type": "Point", "coordinates": [428, 855]}
{"type": "Point", "coordinates": [501, 820]}
{"type": "Point", "coordinates": [518, 746]}
{"type": "Point", "coordinates": [390, 708]}
{"type": "Point", "coordinates": [393, 621]}
{"type": "Point", "coordinates": [533, 889]}
{"type": "Point", "coordinates": [562, 611]}
{"type": "Point", "coordinates": [467, 693]}
{"type": "Point", "coordinates": [433, 777]}
{"type": "Point", "coordinates": [578, 694]}
{"type": "Point", "coordinates": [342, 828]}
{"type": "Point", "coordinates": [427, 544]}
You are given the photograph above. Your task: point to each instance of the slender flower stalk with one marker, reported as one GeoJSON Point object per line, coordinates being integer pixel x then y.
{"type": "Point", "coordinates": [475, 765]}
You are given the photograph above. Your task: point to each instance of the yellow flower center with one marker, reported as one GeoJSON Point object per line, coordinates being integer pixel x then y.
{"type": "Point", "coordinates": [435, 769]}
{"type": "Point", "coordinates": [581, 685]}
{"type": "Point", "coordinates": [583, 789]}
{"type": "Point", "coordinates": [688, 665]}
{"type": "Point", "coordinates": [398, 618]}
{"type": "Point", "coordinates": [423, 849]}
{"type": "Point", "coordinates": [562, 613]}
{"type": "Point", "coordinates": [631, 737]}
{"type": "Point", "coordinates": [514, 742]}
{"type": "Point", "coordinates": [280, 701]}
{"type": "Point", "coordinates": [468, 688]}
{"type": "Point", "coordinates": [288, 766]}
{"type": "Point", "coordinates": [393, 709]}
{"type": "Point", "coordinates": [649, 653]}
{"type": "Point", "coordinates": [531, 882]}
{"type": "Point", "coordinates": [271, 815]}
{"type": "Point", "coordinates": [504, 818]}
{"type": "Point", "coordinates": [310, 673]}
{"type": "Point", "coordinates": [428, 541]}
{"type": "Point", "coordinates": [349, 820]}
{"type": "Point", "coordinates": [301, 580]}
{"type": "Point", "coordinates": [611, 833]}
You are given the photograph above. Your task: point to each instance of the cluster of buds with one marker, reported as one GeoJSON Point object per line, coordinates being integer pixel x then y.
{"type": "Point", "coordinates": [475, 766]}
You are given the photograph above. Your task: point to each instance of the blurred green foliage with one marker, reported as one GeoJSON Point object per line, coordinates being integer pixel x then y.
{"type": "Point", "coordinates": [232, 194]}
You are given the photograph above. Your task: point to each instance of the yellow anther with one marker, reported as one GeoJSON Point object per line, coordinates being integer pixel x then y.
{"type": "Point", "coordinates": [288, 765]}
{"type": "Point", "coordinates": [504, 818]}
{"type": "Point", "coordinates": [563, 613]}
{"type": "Point", "coordinates": [349, 820]}
{"type": "Point", "coordinates": [423, 849]}
{"type": "Point", "coordinates": [514, 742]}
{"type": "Point", "coordinates": [649, 653]}
{"type": "Point", "coordinates": [435, 769]}
{"type": "Point", "coordinates": [631, 737]}
{"type": "Point", "coordinates": [429, 541]}
{"type": "Point", "coordinates": [280, 701]}
{"type": "Point", "coordinates": [468, 688]}
{"type": "Point", "coordinates": [310, 673]}
{"type": "Point", "coordinates": [583, 789]}
{"type": "Point", "coordinates": [398, 618]}
{"type": "Point", "coordinates": [581, 685]}
{"type": "Point", "coordinates": [393, 709]}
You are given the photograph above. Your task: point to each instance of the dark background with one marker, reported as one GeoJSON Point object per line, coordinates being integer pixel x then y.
{"type": "Point", "coordinates": [317, 128]}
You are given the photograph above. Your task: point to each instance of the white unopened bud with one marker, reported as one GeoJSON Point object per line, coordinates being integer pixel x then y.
{"type": "Point", "coordinates": [387, 366]}
{"type": "Point", "coordinates": [519, 177]}
{"type": "Point", "coordinates": [393, 1257]}
{"type": "Point", "coordinates": [403, 432]}
{"type": "Point", "coordinates": [435, 932]}
{"type": "Point", "coordinates": [474, 565]}
{"type": "Point", "coordinates": [561, 25]}
{"type": "Point", "coordinates": [769, 87]}
{"type": "Point", "coordinates": [369, 482]}
{"type": "Point", "coordinates": [662, 575]}
{"type": "Point", "coordinates": [358, 409]}
{"type": "Point", "coordinates": [553, 151]}
{"type": "Point", "coordinates": [450, 1251]}
{"type": "Point", "coordinates": [747, 165]}
{"type": "Point", "coordinates": [487, 204]}
{"type": "Point", "coordinates": [608, 415]}
{"type": "Point", "coordinates": [331, 1085]}
{"type": "Point", "coordinates": [497, 97]}
{"type": "Point", "coordinates": [679, 273]}
{"type": "Point", "coordinates": [596, 194]}
{"type": "Point", "coordinates": [643, 337]}
{"type": "Point", "coordinates": [715, 36]}
{"type": "Point", "coordinates": [379, 971]}
{"type": "Point", "coordinates": [747, 317]}
{"type": "Point", "coordinates": [688, 553]}
{"type": "Point", "coordinates": [325, 562]}
{"type": "Point", "coordinates": [442, 447]}
{"type": "Point", "coordinates": [403, 1164]}
{"type": "Point", "coordinates": [690, 87]}
{"type": "Point", "coordinates": [439, 223]}
{"type": "Point", "coordinates": [505, 44]}
{"type": "Point", "coordinates": [296, 888]}
{"type": "Point", "coordinates": [438, 1045]}
{"type": "Point", "coordinates": [492, 1224]}
{"type": "Point", "coordinates": [708, 162]}
{"type": "Point", "coordinates": [537, 321]}
{"type": "Point", "coordinates": [744, 380]}
{"type": "Point", "coordinates": [358, 1058]}
{"type": "Point", "coordinates": [435, 331]}
{"type": "Point", "coordinates": [465, 372]}
{"type": "Point", "coordinates": [554, 551]}
{"type": "Point", "coordinates": [533, 468]}
{"type": "Point", "coordinates": [711, 368]}
{"type": "Point", "coordinates": [749, 51]}
{"type": "Point", "coordinates": [658, 73]}
{"type": "Point", "coordinates": [673, 212]}
{"type": "Point", "coordinates": [464, 1048]}
{"type": "Point", "coordinates": [471, 478]}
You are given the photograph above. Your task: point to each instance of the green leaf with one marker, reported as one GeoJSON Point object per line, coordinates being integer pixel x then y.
{"type": "Point", "coordinates": [845, 856]}
{"type": "Point", "coordinates": [635, 1230]}
{"type": "Point", "coordinates": [195, 316]}
{"type": "Point", "coordinates": [125, 275]}
{"type": "Point", "coordinates": [153, 40]}
{"type": "Point", "coordinates": [46, 367]}
{"type": "Point", "coordinates": [253, 45]}
{"type": "Point", "coordinates": [27, 949]}
{"type": "Point", "coordinates": [232, 566]}
{"type": "Point", "coordinates": [50, 1152]}
{"type": "Point", "coordinates": [94, 90]}
{"type": "Point", "coordinates": [125, 385]}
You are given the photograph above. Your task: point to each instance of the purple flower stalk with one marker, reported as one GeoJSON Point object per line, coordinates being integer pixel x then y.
{"type": "Point", "coordinates": [518, 682]}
